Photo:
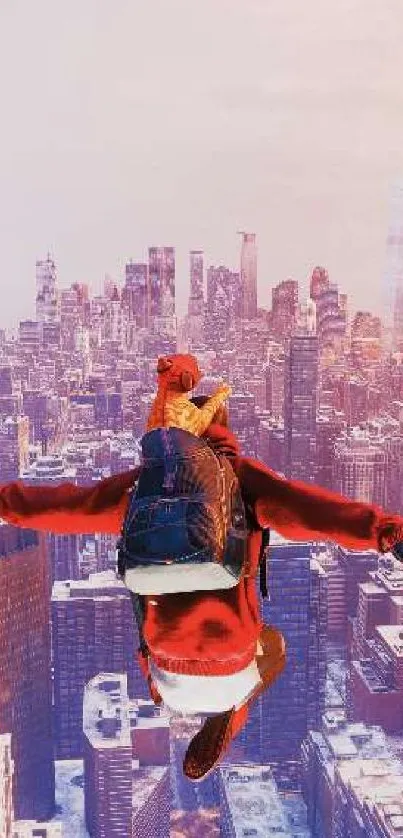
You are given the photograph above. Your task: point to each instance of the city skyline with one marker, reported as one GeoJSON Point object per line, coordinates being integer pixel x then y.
{"type": "Point", "coordinates": [142, 125]}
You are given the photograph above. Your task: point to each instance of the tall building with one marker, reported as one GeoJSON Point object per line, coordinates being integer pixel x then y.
{"type": "Point", "coordinates": [393, 276]}
{"type": "Point", "coordinates": [194, 328]}
{"type": "Point", "coordinates": [375, 678]}
{"type": "Point", "coordinates": [244, 421]}
{"type": "Point", "coordinates": [136, 293]}
{"type": "Point", "coordinates": [319, 282]}
{"type": "Point", "coordinates": [331, 320]}
{"type": "Point", "coordinates": [30, 335]}
{"type": "Point", "coordinates": [330, 424]}
{"type": "Point", "coordinates": [63, 551]}
{"type": "Point", "coordinates": [328, 558]}
{"type": "Point", "coordinates": [7, 380]}
{"type": "Point", "coordinates": [249, 275]}
{"type": "Point", "coordinates": [25, 669]}
{"type": "Point", "coordinates": [161, 266]}
{"type": "Point", "coordinates": [126, 762]}
{"type": "Point", "coordinates": [284, 309]}
{"type": "Point", "coordinates": [196, 295]}
{"type": "Point", "coordinates": [360, 467]}
{"type": "Point", "coordinates": [14, 444]}
{"type": "Point", "coordinates": [224, 304]}
{"type": "Point", "coordinates": [93, 630]}
{"type": "Point", "coordinates": [298, 607]}
{"type": "Point", "coordinates": [300, 407]}
{"type": "Point", "coordinates": [280, 719]}
{"type": "Point", "coordinates": [366, 339]}
{"type": "Point", "coordinates": [46, 291]}
{"type": "Point", "coordinates": [250, 804]}
{"type": "Point", "coordinates": [74, 312]}
{"type": "Point", "coordinates": [352, 784]}
{"type": "Point", "coordinates": [6, 787]}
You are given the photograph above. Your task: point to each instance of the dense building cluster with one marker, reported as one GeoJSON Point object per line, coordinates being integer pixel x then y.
{"type": "Point", "coordinates": [317, 396]}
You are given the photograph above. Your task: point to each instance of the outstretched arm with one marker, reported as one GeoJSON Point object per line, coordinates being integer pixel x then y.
{"type": "Point", "coordinates": [68, 508]}
{"type": "Point", "coordinates": [302, 511]}
{"type": "Point", "coordinates": [203, 416]}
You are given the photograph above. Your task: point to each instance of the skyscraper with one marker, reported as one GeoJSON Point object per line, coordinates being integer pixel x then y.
{"type": "Point", "coordinates": [359, 467]}
{"type": "Point", "coordinates": [283, 309]}
{"type": "Point", "coordinates": [126, 756]}
{"type": "Point", "coordinates": [298, 607]}
{"type": "Point", "coordinates": [136, 293]}
{"type": "Point", "coordinates": [280, 718]}
{"type": "Point", "coordinates": [6, 781]}
{"type": "Point", "coordinates": [161, 265]}
{"type": "Point", "coordinates": [25, 673]}
{"type": "Point", "coordinates": [300, 407]}
{"type": "Point", "coordinates": [46, 291]}
{"type": "Point", "coordinates": [14, 444]}
{"type": "Point", "coordinates": [224, 304]}
{"type": "Point", "coordinates": [196, 296]}
{"type": "Point", "coordinates": [319, 282]}
{"type": "Point", "coordinates": [196, 306]}
{"type": "Point", "coordinates": [93, 631]}
{"type": "Point", "coordinates": [249, 275]}
{"type": "Point", "coordinates": [331, 318]}
{"type": "Point", "coordinates": [393, 277]}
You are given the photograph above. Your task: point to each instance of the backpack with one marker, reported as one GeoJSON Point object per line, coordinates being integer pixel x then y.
{"type": "Point", "coordinates": [185, 527]}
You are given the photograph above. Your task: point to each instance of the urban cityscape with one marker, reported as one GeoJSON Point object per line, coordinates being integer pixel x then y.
{"type": "Point", "coordinates": [317, 395]}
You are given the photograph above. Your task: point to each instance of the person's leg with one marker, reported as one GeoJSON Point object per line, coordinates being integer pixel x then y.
{"type": "Point", "coordinates": [213, 739]}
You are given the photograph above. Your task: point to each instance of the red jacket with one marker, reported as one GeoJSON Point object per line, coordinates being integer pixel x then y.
{"type": "Point", "coordinates": [209, 632]}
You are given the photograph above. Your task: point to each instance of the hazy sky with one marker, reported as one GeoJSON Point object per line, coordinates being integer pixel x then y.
{"type": "Point", "coordinates": [129, 123]}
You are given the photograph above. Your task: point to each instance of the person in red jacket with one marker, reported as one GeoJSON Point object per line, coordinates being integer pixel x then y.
{"type": "Point", "coordinates": [211, 637]}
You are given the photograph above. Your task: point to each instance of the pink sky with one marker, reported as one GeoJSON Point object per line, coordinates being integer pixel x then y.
{"type": "Point", "coordinates": [177, 122]}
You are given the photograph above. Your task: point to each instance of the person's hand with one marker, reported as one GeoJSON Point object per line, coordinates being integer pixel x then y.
{"type": "Point", "coordinates": [224, 390]}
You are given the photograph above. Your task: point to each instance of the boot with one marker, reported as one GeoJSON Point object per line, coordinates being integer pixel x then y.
{"type": "Point", "coordinates": [213, 739]}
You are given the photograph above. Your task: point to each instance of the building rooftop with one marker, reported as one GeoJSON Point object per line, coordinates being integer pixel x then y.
{"type": "Point", "coordinates": [341, 740]}
{"type": "Point", "coordinates": [390, 815]}
{"type": "Point", "coordinates": [389, 574]}
{"type": "Point", "coordinates": [109, 715]}
{"type": "Point", "coordinates": [393, 637]}
{"type": "Point", "coordinates": [30, 829]}
{"type": "Point", "coordinates": [370, 675]}
{"type": "Point", "coordinates": [70, 798]}
{"type": "Point", "coordinates": [373, 780]}
{"type": "Point", "coordinates": [371, 588]}
{"type": "Point", "coordinates": [256, 806]}
{"type": "Point", "coordinates": [106, 582]}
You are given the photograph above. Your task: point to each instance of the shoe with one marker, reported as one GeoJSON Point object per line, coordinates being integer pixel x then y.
{"type": "Point", "coordinates": [213, 739]}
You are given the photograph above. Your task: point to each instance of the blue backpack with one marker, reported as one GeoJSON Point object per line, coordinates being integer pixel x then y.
{"type": "Point", "coordinates": [185, 527]}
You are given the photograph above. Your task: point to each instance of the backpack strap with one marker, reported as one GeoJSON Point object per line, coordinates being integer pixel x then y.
{"type": "Point", "coordinates": [138, 609]}
{"type": "Point", "coordinates": [263, 561]}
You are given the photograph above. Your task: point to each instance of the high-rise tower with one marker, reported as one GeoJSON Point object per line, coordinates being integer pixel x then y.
{"type": "Point", "coordinates": [25, 669]}
{"type": "Point", "coordinates": [161, 264]}
{"type": "Point", "coordinates": [136, 293]}
{"type": "Point", "coordinates": [393, 277]}
{"type": "Point", "coordinates": [196, 296]}
{"type": "Point", "coordinates": [300, 406]}
{"type": "Point", "coordinates": [46, 291]}
{"type": "Point", "coordinates": [249, 275]}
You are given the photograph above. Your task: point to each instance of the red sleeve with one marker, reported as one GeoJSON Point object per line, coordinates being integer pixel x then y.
{"type": "Point", "coordinates": [303, 511]}
{"type": "Point", "coordinates": [68, 508]}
